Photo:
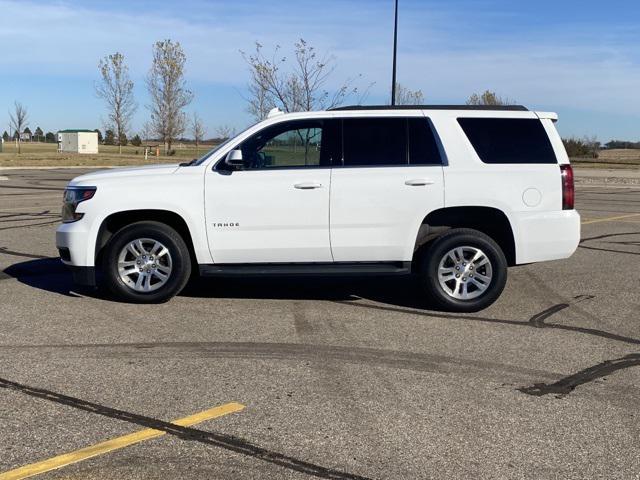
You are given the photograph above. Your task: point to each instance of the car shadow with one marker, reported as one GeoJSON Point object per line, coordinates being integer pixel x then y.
{"type": "Point", "coordinates": [51, 275]}
{"type": "Point", "coordinates": [46, 273]}
{"type": "Point", "coordinates": [398, 291]}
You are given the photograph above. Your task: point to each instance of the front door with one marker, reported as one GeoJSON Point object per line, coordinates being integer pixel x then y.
{"type": "Point", "coordinates": [274, 209]}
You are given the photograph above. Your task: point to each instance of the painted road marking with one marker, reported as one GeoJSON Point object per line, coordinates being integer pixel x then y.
{"type": "Point", "coordinates": [115, 444]}
{"type": "Point", "coordinates": [610, 219]}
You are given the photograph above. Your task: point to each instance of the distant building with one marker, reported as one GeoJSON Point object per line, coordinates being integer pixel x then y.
{"type": "Point", "coordinates": [78, 141]}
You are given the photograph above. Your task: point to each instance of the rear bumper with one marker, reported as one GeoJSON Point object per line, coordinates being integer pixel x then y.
{"type": "Point", "coordinates": [542, 236]}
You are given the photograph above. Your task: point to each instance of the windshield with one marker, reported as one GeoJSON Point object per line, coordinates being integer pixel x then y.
{"type": "Point", "coordinates": [218, 147]}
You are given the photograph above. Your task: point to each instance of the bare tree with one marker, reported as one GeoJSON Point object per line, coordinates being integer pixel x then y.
{"type": "Point", "coordinates": [224, 132]}
{"type": "Point", "coordinates": [406, 96]}
{"type": "Point", "coordinates": [167, 88]}
{"type": "Point", "coordinates": [145, 131]}
{"type": "Point", "coordinates": [258, 100]}
{"type": "Point", "coordinates": [18, 120]}
{"type": "Point", "coordinates": [295, 87]}
{"type": "Point", "coordinates": [489, 98]}
{"type": "Point", "coordinates": [197, 130]}
{"type": "Point", "coordinates": [116, 89]}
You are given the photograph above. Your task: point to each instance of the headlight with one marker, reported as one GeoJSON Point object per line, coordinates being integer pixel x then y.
{"type": "Point", "coordinates": [72, 197]}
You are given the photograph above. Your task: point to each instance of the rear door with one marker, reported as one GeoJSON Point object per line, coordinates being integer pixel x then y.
{"type": "Point", "coordinates": [389, 179]}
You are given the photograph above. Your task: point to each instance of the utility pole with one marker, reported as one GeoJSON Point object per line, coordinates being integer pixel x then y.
{"type": "Point", "coordinates": [395, 53]}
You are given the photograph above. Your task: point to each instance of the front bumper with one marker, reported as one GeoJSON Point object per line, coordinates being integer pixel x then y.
{"type": "Point", "coordinates": [83, 275]}
{"type": "Point", "coordinates": [72, 244]}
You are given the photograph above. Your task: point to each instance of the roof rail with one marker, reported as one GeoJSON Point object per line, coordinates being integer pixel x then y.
{"type": "Point", "coordinates": [510, 108]}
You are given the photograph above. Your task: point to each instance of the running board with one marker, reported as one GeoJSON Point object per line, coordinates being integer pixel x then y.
{"type": "Point", "coordinates": [304, 269]}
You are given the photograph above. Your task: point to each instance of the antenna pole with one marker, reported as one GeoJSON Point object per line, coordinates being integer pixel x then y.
{"type": "Point", "coordinates": [395, 53]}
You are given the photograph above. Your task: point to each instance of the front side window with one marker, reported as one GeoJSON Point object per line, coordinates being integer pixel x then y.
{"type": "Point", "coordinates": [295, 144]}
{"type": "Point", "coordinates": [509, 140]}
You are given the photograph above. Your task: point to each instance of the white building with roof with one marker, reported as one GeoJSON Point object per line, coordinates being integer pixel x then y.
{"type": "Point", "coordinates": [78, 141]}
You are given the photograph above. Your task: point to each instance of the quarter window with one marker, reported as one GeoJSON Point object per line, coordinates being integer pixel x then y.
{"type": "Point", "coordinates": [509, 140]}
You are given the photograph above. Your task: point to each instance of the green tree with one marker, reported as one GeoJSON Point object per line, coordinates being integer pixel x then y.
{"type": "Point", "coordinates": [5, 136]}
{"type": "Point", "coordinates": [122, 141]}
{"type": "Point", "coordinates": [39, 134]}
{"type": "Point", "coordinates": [136, 141]}
{"type": "Point", "coordinates": [50, 137]}
{"type": "Point", "coordinates": [109, 138]}
{"type": "Point", "coordinates": [489, 98]}
{"type": "Point", "coordinates": [97, 130]}
{"type": "Point", "coordinates": [27, 131]}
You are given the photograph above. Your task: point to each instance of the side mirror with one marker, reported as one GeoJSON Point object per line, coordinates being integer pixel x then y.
{"type": "Point", "coordinates": [234, 159]}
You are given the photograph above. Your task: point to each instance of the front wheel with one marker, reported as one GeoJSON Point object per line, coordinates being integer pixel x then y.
{"type": "Point", "coordinates": [464, 270]}
{"type": "Point", "coordinates": [146, 262]}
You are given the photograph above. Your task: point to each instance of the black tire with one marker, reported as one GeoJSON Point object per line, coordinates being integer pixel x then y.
{"type": "Point", "coordinates": [167, 236]}
{"type": "Point", "coordinates": [436, 251]}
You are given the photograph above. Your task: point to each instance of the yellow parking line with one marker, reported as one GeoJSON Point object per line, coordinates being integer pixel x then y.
{"type": "Point", "coordinates": [115, 444]}
{"type": "Point", "coordinates": [609, 219]}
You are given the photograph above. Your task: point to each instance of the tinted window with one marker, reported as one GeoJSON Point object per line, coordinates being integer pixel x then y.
{"type": "Point", "coordinates": [423, 148]}
{"type": "Point", "coordinates": [508, 140]}
{"type": "Point", "coordinates": [375, 141]}
{"type": "Point", "coordinates": [290, 145]}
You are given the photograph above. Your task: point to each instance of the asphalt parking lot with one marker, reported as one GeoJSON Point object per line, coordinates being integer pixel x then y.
{"type": "Point", "coordinates": [333, 379]}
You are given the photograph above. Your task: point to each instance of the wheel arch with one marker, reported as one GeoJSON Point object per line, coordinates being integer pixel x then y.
{"type": "Point", "coordinates": [115, 221]}
{"type": "Point", "coordinates": [488, 220]}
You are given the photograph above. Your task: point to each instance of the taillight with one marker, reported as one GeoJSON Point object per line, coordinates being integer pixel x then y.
{"type": "Point", "coordinates": [568, 189]}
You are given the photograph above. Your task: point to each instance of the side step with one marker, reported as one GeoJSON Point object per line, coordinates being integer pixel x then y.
{"type": "Point", "coordinates": [305, 269]}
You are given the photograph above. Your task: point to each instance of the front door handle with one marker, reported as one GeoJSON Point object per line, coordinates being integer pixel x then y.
{"type": "Point", "coordinates": [419, 182]}
{"type": "Point", "coordinates": [307, 185]}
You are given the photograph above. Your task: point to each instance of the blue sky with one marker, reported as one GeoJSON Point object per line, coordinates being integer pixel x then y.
{"type": "Point", "coordinates": [578, 58]}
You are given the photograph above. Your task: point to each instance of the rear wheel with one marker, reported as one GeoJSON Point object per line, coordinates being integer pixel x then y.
{"type": "Point", "coordinates": [146, 262]}
{"type": "Point", "coordinates": [464, 270]}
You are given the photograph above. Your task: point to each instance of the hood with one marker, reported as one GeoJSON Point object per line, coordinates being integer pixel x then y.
{"type": "Point", "coordinates": [124, 172]}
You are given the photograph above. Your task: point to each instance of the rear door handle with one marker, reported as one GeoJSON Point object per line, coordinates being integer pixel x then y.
{"type": "Point", "coordinates": [418, 182]}
{"type": "Point", "coordinates": [307, 185]}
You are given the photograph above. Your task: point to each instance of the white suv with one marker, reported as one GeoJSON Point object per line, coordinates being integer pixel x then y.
{"type": "Point", "coordinates": [452, 194]}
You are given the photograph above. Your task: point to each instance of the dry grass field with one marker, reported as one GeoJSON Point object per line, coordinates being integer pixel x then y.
{"type": "Point", "coordinates": [45, 155]}
{"type": "Point", "coordinates": [615, 158]}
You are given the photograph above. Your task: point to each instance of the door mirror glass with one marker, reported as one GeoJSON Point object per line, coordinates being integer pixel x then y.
{"type": "Point", "coordinates": [234, 159]}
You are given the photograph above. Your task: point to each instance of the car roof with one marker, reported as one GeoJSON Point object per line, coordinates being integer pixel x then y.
{"type": "Point", "coordinates": [502, 108]}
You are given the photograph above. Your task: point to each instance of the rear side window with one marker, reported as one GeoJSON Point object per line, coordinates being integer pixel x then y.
{"type": "Point", "coordinates": [389, 141]}
{"type": "Point", "coordinates": [423, 148]}
{"type": "Point", "coordinates": [508, 140]}
{"type": "Point", "coordinates": [374, 141]}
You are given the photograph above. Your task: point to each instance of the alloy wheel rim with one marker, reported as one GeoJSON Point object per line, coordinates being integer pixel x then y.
{"type": "Point", "coordinates": [144, 265]}
{"type": "Point", "coordinates": [465, 273]}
